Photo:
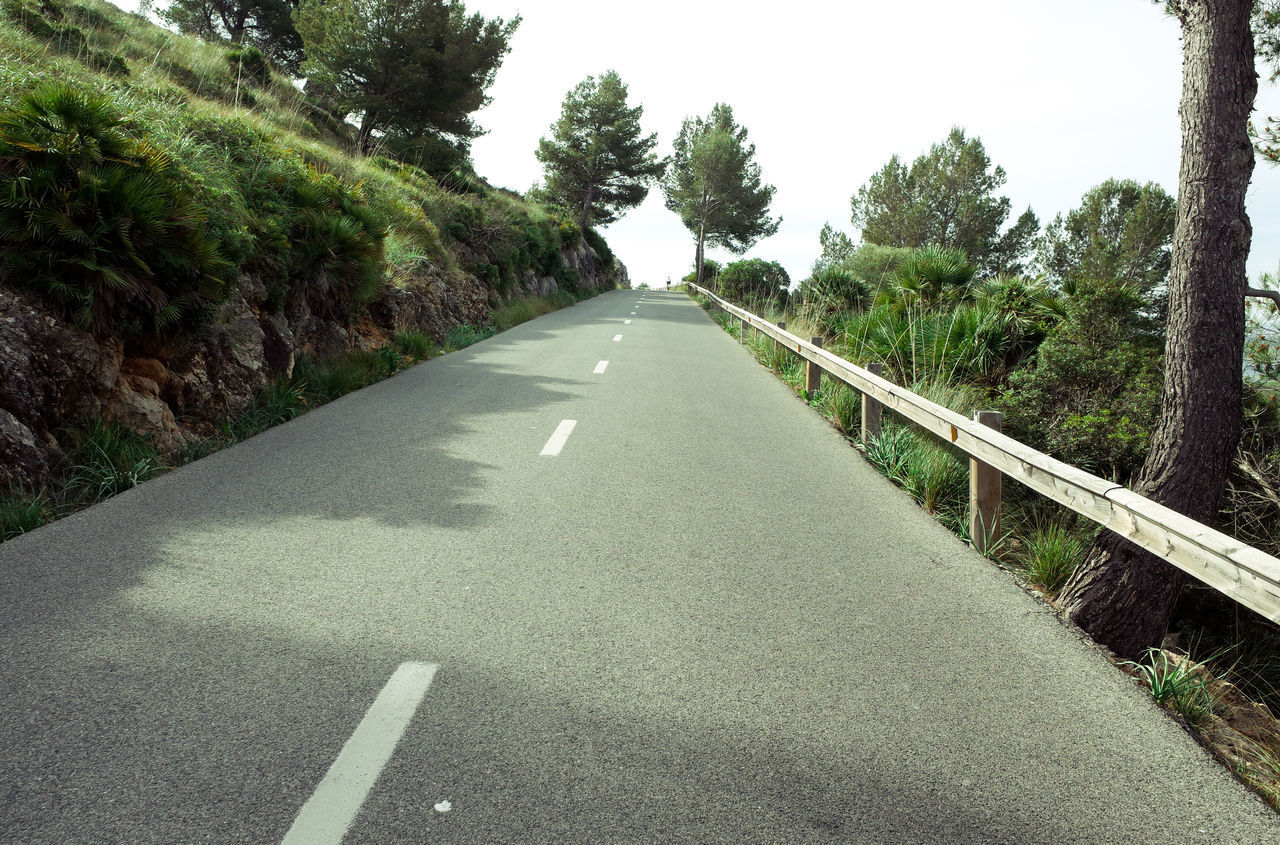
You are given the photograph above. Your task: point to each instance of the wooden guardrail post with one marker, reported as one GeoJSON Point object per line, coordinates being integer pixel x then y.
{"type": "Point", "coordinates": [813, 373]}
{"type": "Point", "coordinates": [745, 327]}
{"type": "Point", "coordinates": [984, 492]}
{"type": "Point", "coordinates": [871, 409]}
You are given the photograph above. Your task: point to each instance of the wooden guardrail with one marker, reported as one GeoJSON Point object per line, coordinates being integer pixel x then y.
{"type": "Point", "coordinates": [1248, 575]}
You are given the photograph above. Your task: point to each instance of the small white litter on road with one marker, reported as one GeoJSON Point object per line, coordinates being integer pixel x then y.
{"type": "Point", "coordinates": [443, 806]}
{"type": "Point", "coordinates": [617, 337]}
{"type": "Point", "coordinates": [626, 322]}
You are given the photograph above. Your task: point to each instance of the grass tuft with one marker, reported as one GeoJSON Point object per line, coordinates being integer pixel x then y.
{"type": "Point", "coordinates": [109, 459]}
{"type": "Point", "coordinates": [1175, 684]}
{"type": "Point", "coordinates": [22, 512]}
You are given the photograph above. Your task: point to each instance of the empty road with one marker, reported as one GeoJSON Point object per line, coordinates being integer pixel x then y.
{"type": "Point", "coordinates": [598, 579]}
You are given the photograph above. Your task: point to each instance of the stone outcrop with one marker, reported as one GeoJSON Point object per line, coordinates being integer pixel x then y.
{"type": "Point", "coordinates": [52, 374]}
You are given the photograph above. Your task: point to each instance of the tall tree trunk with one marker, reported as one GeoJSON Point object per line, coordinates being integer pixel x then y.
{"type": "Point", "coordinates": [364, 137]}
{"type": "Point", "coordinates": [697, 255]}
{"type": "Point", "coordinates": [1123, 596]}
{"type": "Point", "coordinates": [585, 218]}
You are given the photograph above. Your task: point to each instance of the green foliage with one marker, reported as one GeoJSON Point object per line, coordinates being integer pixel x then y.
{"type": "Point", "coordinates": [250, 65]}
{"type": "Point", "coordinates": [1052, 551]}
{"type": "Point", "coordinates": [1121, 231]}
{"type": "Point", "coordinates": [1092, 394]}
{"type": "Point", "coordinates": [336, 246]}
{"type": "Point", "coordinates": [932, 473]}
{"type": "Point", "coordinates": [460, 337]}
{"type": "Point", "coordinates": [414, 344]}
{"type": "Point", "coordinates": [281, 401]}
{"type": "Point", "coordinates": [756, 282]}
{"type": "Point", "coordinates": [265, 26]}
{"type": "Point", "coordinates": [20, 513]}
{"type": "Point", "coordinates": [107, 459]}
{"type": "Point", "coordinates": [929, 277]}
{"type": "Point", "coordinates": [945, 198]}
{"type": "Point", "coordinates": [50, 21]}
{"type": "Point", "coordinates": [97, 219]}
{"type": "Point", "coordinates": [598, 163]}
{"type": "Point", "coordinates": [842, 405]}
{"type": "Point", "coordinates": [599, 247]}
{"type": "Point", "coordinates": [710, 272]}
{"type": "Point", "coordinates": [410, 67]}
{"type": "Point", "coordinates": [713, 183]}
{"type": "Point", "coordinates": [1176, 684]}
{"type": "Point", "coordinates": [837, 248]}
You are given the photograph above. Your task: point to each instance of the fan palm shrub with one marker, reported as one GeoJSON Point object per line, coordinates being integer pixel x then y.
{"type": "Point", "coordinates": [96, 219]}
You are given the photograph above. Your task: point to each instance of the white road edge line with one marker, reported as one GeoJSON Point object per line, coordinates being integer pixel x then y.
{"type": "Point", "coordinates": [558, 438]}
{"type": "Point", "coordinates": [331, 809]}
{"type": "Point", "coordinates": [617, 337]}
{"type": "Point", "coordinates": [600, 368]}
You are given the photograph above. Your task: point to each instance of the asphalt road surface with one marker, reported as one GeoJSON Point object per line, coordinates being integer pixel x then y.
{"type": "Point", "coordinates": [436, 611]}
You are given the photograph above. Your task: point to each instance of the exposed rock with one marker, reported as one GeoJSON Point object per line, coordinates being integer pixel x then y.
{"type": "Point", "coordinates": [25, 462]}
{"type": "Point", "coordinates": [277, 346]}
{"type": "Point", "coordinates": [136, 404]}
{"type": "Point", "coordinates": [53, 374]}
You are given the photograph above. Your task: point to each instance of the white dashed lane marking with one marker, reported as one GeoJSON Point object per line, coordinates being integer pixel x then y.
{"type": "Point", "coordinates": [325, 817]}
{"type": "Point", "coordinates": [617, 337]}
{"type": "Point", "coordinates": [600, 368]}
{"type": "Point", "coordinates": [558, 437]}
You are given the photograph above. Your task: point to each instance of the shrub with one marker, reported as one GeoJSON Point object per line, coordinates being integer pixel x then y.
{"type": "Point", "coordinates": [929, 277]}
{"type": "Point", "coordinates": [570, 234]}
{"type": "Point", "coordinates": [599, 247]}
{"type": "Point", "coordinates": [759, 283]}
{"type": "Point", "coordinates": [336, 245]}
{"type": "Point", "coordinates": [248, 64]}
{"type": "Point", "coordinates": [96, 220]}
{"type": "Point", "coordinates": [1092, 394]}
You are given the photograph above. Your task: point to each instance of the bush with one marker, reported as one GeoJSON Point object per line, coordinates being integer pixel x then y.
{"type": "Point", "coordinates": [755, 282]}
{"type": "Point", "coordinates": [599, 247]}
{"type": "Point", "coordinates": [249, 65]}
{"type": "Point", "coordinates": [97, 220]}
{"type": "Point", "coordinates": [1092, 394]}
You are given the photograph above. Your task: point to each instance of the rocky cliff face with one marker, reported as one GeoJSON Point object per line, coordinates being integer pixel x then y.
{"type": "Point", "coordinates": [177, 389]}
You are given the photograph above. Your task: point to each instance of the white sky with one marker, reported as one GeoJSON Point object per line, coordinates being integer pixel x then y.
{"type": "Point", "coordinates": [1063, 96]}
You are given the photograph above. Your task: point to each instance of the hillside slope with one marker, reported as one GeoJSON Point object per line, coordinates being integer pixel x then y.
{"type": "Point", "coordinates": [179, 225]}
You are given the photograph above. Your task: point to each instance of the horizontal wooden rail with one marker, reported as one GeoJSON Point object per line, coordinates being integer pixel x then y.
{"type": "Point", "coordinates": [1248, 575]}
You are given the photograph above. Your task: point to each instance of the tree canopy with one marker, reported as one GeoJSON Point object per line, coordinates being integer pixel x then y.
{"type": "Point", "coordinates": [598, 162]}
{"type": "Point", "coordinates": [265, 24]}
{"type": "Point", "coordinates": [945, 198]}
{"type": "Point", "coordinates": [1120, 231]}
{"type": "Point", "coordinates": [714, 184]}
{"type": "Point", "coordinates": [416, 68]}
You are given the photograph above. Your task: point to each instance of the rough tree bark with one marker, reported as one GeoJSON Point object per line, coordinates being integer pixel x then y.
{"type": "Point", "coordinates": [1125, 597]}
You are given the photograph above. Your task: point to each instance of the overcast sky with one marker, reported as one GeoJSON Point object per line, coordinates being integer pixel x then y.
{"type": "Point", "coordinates": [1063, 95]}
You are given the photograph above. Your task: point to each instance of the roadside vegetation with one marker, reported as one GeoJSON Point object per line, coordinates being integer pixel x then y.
{"type": "Point", "coordinates": [1063, 331]}
{"type": "Point", "coordinates": [146, 175]}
